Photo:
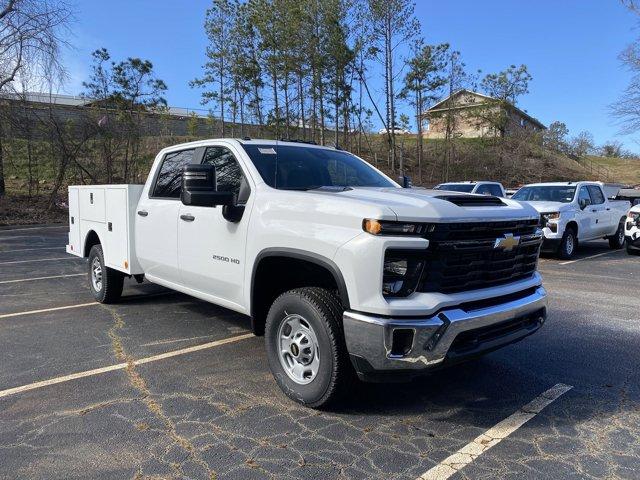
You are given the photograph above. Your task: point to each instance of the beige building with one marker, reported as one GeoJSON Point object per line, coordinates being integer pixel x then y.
{"type": "Point", "coordinates": [472, 115]}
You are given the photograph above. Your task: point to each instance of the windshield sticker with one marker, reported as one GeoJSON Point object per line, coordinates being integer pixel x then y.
{"type": "Point", "coordinates": [267, 151]}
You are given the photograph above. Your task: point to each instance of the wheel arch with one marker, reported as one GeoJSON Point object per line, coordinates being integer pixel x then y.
{"type": "Point", "coordinates": [321, 271]}
{"type": "Point", "coordinates": [91, 238]}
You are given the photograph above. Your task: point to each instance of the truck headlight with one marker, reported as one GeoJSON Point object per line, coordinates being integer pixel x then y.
{"type": "Point", "coordinates": [386, 227]}
{"type": "Point", "coordinates": [401, 273]}
{"type": "Point", "coordinates": [550, 220]}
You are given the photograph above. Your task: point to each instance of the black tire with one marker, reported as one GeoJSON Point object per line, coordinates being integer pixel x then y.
{"type": "Point", "coordinates": [568, 244]}
{"type": "Point", "coordinates": [109, 290]}
{"type": "Point", "coordinates": [321, 310]}
{"type": "Point", "coordinates": [632, 251]}
{"type": "Point", "coordinates": [617, 241]}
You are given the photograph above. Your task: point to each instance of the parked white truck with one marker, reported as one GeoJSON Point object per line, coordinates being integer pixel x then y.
{"type": "Point", "coordinates": [632, 231]}
{"type": "Point", "coordinates": [480, 187]}
{"type": "Point", "coordinates": [338, 266]}
{"type": "Point", "coordinates": [573, 212]}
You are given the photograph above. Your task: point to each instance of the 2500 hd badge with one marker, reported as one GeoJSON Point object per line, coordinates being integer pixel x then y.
{"type": "Point", "coordinates": [220, 258]}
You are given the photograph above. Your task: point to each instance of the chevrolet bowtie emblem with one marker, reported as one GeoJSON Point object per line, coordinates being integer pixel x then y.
{"type": "Point", "coordinates": [507, 243]}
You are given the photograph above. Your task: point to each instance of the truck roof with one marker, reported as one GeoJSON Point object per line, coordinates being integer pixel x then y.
{"type": "Point", "coordinates": [471, 182]}
{"type": "Point", "coordinates": [562, 184]}
{"type": "Point", "coordinates": [249, 141]}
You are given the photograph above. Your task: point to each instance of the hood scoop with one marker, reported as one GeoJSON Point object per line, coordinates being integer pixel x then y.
{"type": "Point", "coordinates": [472, 200]}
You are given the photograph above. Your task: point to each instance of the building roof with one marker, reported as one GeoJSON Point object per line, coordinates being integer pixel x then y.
{"type": "Point", "coordinates": [441, 106]}
{"type": "Point", "coordinates": [81, 101]}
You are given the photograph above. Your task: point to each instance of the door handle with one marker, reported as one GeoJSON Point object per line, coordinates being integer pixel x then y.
{"type": "Point", "coordinates": [187, 218]}
{"type": "Point", "coordinates": [608, 208]}
{"type": "Point", "coordinates": [143, 213]}
{"type": "Point", "coordinates": [594, 211]}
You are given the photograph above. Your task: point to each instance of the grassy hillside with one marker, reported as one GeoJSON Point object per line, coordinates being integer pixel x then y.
{"type": "Point", "coordinates": [623, 170]}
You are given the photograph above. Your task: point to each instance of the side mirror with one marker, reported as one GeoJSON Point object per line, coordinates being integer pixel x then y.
{"type": "Point", "coordinates": [405, 181]}
{"type": "Point", "coordinates": [584, 203]}
{"type": "Point", "coordinates": [199, 187]}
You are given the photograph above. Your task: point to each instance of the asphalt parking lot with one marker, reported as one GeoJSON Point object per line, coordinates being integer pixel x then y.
{"type": "Point", "coordinates": [166, 386]}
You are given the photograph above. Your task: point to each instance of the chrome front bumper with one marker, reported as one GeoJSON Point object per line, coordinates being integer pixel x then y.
{"type": "Point", "coordinates": [380, 344]}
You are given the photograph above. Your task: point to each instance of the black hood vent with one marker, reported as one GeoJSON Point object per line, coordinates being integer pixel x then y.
{"type": "Point", "coordinates": [473, 200]}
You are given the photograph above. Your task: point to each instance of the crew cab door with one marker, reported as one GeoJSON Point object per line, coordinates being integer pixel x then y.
{"type": "Point", "coordinates": [157, 218]}
{"type": "Point", "coordinates": [212, 240]}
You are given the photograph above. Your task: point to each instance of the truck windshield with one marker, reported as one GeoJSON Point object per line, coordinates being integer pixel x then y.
{"type": "Point", "coordinates": [288, 167]}
{"type": "Point", "coordinates": [456, 187]}
{"type": "Point", "coordinates": [552, 193]}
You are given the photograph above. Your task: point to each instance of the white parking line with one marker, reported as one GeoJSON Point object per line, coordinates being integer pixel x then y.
{"type": "Point", "coordinates": [493, 436]}
{"type": "Point", "coordinates": [587, 258]}
{"type": "Point", "coordinates": [45, 310]}
{"type": "Point", "coordinates": [41, 278]}
{"type": "Point", "coordinates": [61, 248]}
{"type": "Point", "coordinates": [120, 366]}
{"type": "Point", "coordinates": [31, 228]}
{"type": "Point", "coordinates": [40, 260]}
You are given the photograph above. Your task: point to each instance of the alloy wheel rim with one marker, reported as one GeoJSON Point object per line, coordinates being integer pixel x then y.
{"type": "Point", "coordinates": [298, 349]}
{"type": "Point", "coordinates": [96, 274]}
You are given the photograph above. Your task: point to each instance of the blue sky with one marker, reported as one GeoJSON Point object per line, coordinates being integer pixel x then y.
{"type": "Point", "coordinates": [570, 47]}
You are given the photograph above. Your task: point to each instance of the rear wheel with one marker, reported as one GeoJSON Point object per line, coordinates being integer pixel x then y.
{"type": "Point", "coordinates": [305, 346]}
{"type": "Point", "coordinates": [105, 283]}
{"type": "Point", "coordinates": [617, 241]}
{"type": "Point", "coordinates": [568, 244]}
{"type": "Point", "coordinates": [632, 251]}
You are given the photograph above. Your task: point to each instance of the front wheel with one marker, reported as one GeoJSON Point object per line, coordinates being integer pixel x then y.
{"type": "Point", "coordinates": [617, 241]}
{"type": "Point", "coordinates": [105, 283]}
{"type": "Point", "coordinates": [568, 244]}
{"type": "Point", "coordinates": [305, 345]}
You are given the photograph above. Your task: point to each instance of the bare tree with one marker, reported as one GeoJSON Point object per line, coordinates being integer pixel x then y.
{"type": "Point", "coordinates": [29, 36]}
{"type": "Point", "coordinates": [627, 109]}
{"type": "Point", "coordinates": [393, 23]}
{"type": "Point", "coordinates": [423, 82]}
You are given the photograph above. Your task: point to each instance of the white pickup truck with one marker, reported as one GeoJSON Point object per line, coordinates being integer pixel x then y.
{"type": "Point", "coordinates": [573, 212]}
{"type": "Point", "coordinates": [338, 266]}
{"type": "Point", "coordinates": [632, 231]}
{"type": "Point", "coordinates": [480, 187]}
